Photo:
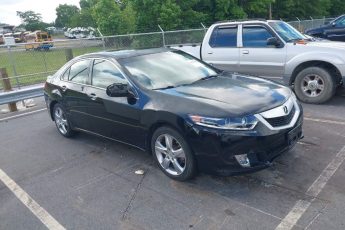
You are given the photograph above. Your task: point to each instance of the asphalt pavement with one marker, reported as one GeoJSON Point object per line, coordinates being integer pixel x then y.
{"type": "Point", "coordinates": [90, 183]}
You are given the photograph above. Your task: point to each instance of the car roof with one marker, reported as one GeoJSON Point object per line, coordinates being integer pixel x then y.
{"type": "Point", "coordinates": [245, 21]}
{"type": "Point", "coordinates": [121, 54]}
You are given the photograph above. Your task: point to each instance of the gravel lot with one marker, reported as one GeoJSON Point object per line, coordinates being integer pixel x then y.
{"type": "Point", "coordinates": [89, 183]}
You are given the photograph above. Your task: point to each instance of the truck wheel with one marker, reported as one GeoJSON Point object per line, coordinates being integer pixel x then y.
{"type": "Point", "coordinates": [314, 85]}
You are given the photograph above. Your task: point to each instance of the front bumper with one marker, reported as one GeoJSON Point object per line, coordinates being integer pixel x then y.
{"type": "Point", "coordinates": [215, 150]}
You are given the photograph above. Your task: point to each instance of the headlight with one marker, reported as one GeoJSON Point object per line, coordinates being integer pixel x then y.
{"type": "Point", "coordinates": [243, 123]}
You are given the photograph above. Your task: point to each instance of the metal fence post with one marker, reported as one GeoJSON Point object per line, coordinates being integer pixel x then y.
{"type": "Point", "coordinates": [44, 61]}
{"type": "Point", "coordinates": [103, 41]}
{"type": "Point", "coordinates": [299, 24]}
{"type": "Point", "coordinates": [69, 54]}
{"type": "Point", "coordinates": [13, 66]}
{"type": "Point", "coordinates": [203, 26]}
{"type": "Point", "coordinates": [312, 22]}
{"type": "Point", "coordinates": [7, 87]}
{"type": "Point", "coordinates": [163, 35]}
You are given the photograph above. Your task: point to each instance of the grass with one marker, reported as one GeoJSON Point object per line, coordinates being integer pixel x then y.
{"type": "Point", "coordinates": [36, 64]}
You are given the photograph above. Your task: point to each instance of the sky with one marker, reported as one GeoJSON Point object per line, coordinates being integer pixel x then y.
{"type": "Point", "coordinates": [46, 8]}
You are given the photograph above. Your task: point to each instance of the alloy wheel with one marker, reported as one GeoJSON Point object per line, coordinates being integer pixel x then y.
{"type": "Point", "coordinates": [312, 85]}
{"type": "Point", "coordinates": [60, 120]}
{"type": "Point", "coordinates": [170, 154]}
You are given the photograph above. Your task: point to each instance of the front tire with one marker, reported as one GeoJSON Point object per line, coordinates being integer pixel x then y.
{"type": "Point", "coordinates": [61, 121]}
{"type": "Point", "coordinates": [314, 85]}
{"type": "Point", "coordinates": [172, 154]}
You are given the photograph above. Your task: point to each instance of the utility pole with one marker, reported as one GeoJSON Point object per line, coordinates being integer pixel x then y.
{"type": "Point", "coordinates": [270, 11]}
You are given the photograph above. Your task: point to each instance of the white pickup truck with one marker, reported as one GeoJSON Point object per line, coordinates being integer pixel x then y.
{"type": "Point", "coordinates": [275, 49]}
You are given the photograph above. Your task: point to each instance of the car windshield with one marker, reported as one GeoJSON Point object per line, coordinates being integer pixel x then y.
{"type": "Point", "coordinates": [286, 31]}
{"type": "Point", "coordinates": [167, 69]}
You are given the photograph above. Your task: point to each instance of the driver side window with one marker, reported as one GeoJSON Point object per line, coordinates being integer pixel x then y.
{"type": "Point", "coordinates": [255, 36]}
{"type": "Point", "coordinates": [104, 73]}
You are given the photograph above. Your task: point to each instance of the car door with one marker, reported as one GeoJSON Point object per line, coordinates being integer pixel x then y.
{"type": "Point", "coordinates": [73, 86]}
{"type": "Point", "coordinates": [114, 117]}
{"type": "Point", "coordinates": [256, 57]}
{"type": "Point", "coordinates": [336, 32]}
{"type": "Point", "coordinates": [222, 50]}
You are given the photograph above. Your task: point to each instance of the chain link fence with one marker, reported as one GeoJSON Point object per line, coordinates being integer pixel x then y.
{"type": "Point", "coordinates": [303, 25]}
{"type": "Point", "coordinates": [31, 63]}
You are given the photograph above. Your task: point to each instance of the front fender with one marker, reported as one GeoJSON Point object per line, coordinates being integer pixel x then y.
{"type": "Point", "coordinates": [334, 59]}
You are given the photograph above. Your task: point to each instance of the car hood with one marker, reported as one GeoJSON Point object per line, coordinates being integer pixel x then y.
{"type": "Point", "coordinates": [233, 94]}
{"type": "Point", "coordinates": [327, 44]}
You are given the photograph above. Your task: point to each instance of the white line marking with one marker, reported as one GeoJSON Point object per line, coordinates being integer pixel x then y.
{"type": "Point", "coordinates": [314, 190]}
{"type": "Point", "coordinates": [22, 114]}
{"type": "Point", "coordinates": [32, 205]}
{"type": "Point", "coordinates": [325, 121]}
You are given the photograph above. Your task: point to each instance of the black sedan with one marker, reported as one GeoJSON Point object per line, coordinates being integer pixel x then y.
{"type": "Point", "coordinates": [190, 116]}
{"type": "Point", "coordinates": [334, 31]}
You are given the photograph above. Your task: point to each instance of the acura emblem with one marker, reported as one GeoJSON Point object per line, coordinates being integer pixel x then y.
{"type": "Point", "coordinates": [286, 111]}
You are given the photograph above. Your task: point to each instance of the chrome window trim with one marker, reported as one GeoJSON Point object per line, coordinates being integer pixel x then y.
{"type": "Point", "coordinates": [92, 59]}
{"type": "Point", "coordinates": [278, 112]}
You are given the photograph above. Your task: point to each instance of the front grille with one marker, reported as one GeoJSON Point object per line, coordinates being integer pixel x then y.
{"type": "Point", "coordinates": [282, 121]}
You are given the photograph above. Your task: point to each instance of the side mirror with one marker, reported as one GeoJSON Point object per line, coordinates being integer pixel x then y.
{"type": "Point", "coordinates": [273, 41]}
{"type": "Point", "coordinates": [334, 24]}
{"type": "Point", "coordinates": [118, 90]}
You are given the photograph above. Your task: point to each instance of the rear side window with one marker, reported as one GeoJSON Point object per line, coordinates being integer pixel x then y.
{"type": "Point", "coordinates": [224, 37]}
{"type": "Point", "coordinates": [104, 73]}
{"type": "Point", "coordinates": [255, 36]}
{"type": "Point", "coordinates": [79, 72]}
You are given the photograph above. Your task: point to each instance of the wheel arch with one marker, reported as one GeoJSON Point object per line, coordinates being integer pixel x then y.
{"type": "Point", "coordinates": [156, 125]}
{"type": "Point", "coordinates": [51, 108]}
{"type": "Point", "coordinates": [332, 69]}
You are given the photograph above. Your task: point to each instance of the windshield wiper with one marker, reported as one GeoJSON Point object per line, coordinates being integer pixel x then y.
{"type": "Point", "coordinates": [295, 40]}
{"type": "Point", "coordinates": [166, 87]}
{"type": "Point", "coordinates": [209, 77]}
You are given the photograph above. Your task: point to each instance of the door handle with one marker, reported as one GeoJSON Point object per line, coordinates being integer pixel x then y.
{"type": "Point", "coordinates": [63, 88]}
{"type": "Point", "coordinates": [245, 52]}
{"type": "Point", "coordinates": [93, 96]}
{"type": "Point", "coordinates": [210, 53]}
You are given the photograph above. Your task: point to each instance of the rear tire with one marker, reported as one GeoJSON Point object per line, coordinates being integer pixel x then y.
{"type": "Point", "coordinates": [61, 121]}
{"type": "Point", "coordinates": [172, 154]}
{"type": "Point", "coordinates": [314, 85]}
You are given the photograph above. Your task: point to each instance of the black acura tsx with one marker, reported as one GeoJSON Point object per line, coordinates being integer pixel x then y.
{"type": "Point", "coordinates": [191, 116]}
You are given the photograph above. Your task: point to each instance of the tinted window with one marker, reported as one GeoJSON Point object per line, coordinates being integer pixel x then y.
{"type": "Point", "coordinates": [104, 73]}
{"type": "Point", "coordinates": [79, 72]}
{"type": "Point", "coordinates": [224, 37]}
{"type": "Point", "coordinates": [255, 36]}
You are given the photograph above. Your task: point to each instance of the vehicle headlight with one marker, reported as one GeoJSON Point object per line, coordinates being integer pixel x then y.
{"type": "Point", "coordinates": [242, 123]}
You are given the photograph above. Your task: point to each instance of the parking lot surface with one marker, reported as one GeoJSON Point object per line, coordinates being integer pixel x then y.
{"type": "Point", "coordinates": [90, 183]}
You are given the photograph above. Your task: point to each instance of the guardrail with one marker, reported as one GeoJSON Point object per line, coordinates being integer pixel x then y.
{"type": "Point", "coordinates": [21, 94]}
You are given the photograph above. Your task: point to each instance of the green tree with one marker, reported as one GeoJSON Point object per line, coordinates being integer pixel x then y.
{"type": "Point", "coordinates": [170, 15]}
{"type": "Point", "coordinates": [107, 15]}
{"type": "Point", "coordinates": [82, 19]}
{"type": "Point", "coordinates": [31, 21]}
{"type": "Point", "coordinates": [128, 19]}
{"type": "Point", "coordinates": [337, 8]}
{"type": "Point", "coordinates": [290, 9]}
{"type": "Point", "coordinates": [64, 13]}
{"type": "Point", "coordinates": [256, 8]}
